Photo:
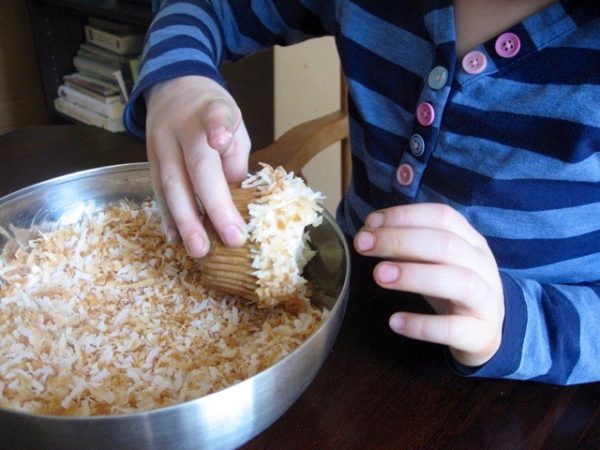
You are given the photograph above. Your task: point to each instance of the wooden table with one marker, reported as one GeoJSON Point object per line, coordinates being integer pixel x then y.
{"type": "Point", "coordinates": [376, 390]}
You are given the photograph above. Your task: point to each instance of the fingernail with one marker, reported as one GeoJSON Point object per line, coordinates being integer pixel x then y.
{"type": "Point", "coordinates": [172, 234]}
{"type": "Point", "coordinates": [365, 241]}
{"type": "Point", "coordinates": [196, 245]}
{"type": "Point", "coordinates": [219, 136]}
{"type": "Point", "coordinates": [387, 273]}
{"type": "Point", "coordinates": [233, 236]}
{"type": "Point", "coordinates": [397, 322]}
{"type": "Point", "coordinates": [375, 220]}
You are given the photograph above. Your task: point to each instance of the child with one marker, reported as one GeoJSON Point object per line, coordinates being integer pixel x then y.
{"type": "Point", "coordinates": [475, 133]}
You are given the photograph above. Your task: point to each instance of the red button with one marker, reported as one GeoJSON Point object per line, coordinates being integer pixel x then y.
{"type": "Point", "coordinates": [405, 174]}
{"type": "Point", "coordinates": [474, 62]}
{"type": "Point", "coordinates": [425, 114]}
{"type": "Point", "coordinates": [508, 45]}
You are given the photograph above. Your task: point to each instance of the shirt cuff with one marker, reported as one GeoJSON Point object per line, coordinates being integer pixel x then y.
{"type": "Point", "coordinates": [508, 357]}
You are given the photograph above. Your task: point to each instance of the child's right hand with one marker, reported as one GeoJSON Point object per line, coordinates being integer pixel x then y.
{"type": "Point", "coordinates": [196, 144]}
{"type": "Point", "coordinates": [432, 250]}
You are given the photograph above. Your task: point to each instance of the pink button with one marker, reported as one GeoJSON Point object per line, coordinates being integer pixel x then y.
{"type": "Point", "coordinates": [425, 114]}
{"type": "Point", "coordinates": [405, 174]}
{"type": "Point", "coordinates": [474, 62]}
{"type": "Point", "coordinates": [508, 45]}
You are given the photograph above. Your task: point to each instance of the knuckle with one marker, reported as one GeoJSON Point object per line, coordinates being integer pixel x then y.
{"type": "Point", "coordinates": [156, 134]}
{"type": "Point", "coordinates": [455, 333]}
{"type": "Point", "coordinates": [471, 286]}
{"type": "Point", "coordinates": [447, 246]}
{"type": "Point", "coordinates": [199, 163]}
{"type": "Point", "coordinates": [420, 329]}
{"type": "Point", "coordinates": [170, 184]}
{"type": "Point", "coordinates": [443, 214]}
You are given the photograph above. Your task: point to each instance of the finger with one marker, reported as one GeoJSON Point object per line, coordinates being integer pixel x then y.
{"type": "Point", "coordinates": [167, 223]}
{"type": "Point", "coordinates": [429, 215]}
{"type": "Point", "coordinates": [209, 183]}
{"type": "Point", "coordinates": [463, 333]}
{"type": "Point", "coordinates": [422, 245]}
{"type": "Point", "coordinates": [221, 119]}
{"type": "Point", "coordinates": [468, 291]}
{"type": "Point", "coordinates": [176, 188]}
{"type": "Point", "coordinates": [235, 159]}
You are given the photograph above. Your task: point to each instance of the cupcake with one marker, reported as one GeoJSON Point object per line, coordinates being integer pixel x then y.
{"type": "Point", "coordinates": [267, 270]}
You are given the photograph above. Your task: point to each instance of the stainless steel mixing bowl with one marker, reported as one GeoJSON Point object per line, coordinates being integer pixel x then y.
{"type": "Point", "coordinates": [225, 419]}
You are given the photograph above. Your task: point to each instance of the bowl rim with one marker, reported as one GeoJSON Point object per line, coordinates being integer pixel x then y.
{"type": "Point", "coordinates": [165, 410]}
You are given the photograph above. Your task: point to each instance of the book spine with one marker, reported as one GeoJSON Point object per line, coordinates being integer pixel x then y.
{"type": "Point", "coordinates": [88, 117]}
{"type": "Point", "coordinates": [110, 110]}
{"type": "Point", "coordinates": [94, 83]}
{"type": "Point", "coordinates": [101, 53]}
{"type": "Point", "coordinates": [93, 67]}
{"type": "Point", "coordinates": [123, 45]}
{"type": "Point", "coordinates": [90, 93]}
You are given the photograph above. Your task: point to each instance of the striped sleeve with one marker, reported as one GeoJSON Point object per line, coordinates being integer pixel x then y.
{"type": "Point", "coordinates": [550, 334]}
{"type": "Point", "coordinates": [195, 37]}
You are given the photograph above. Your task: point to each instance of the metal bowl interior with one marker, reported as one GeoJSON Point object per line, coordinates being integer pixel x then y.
{"type": "Point", "coordinates": [225, 419]}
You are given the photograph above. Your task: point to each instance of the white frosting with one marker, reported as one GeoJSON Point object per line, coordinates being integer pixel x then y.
{"type": "Point", "coordinates": [278, 219]}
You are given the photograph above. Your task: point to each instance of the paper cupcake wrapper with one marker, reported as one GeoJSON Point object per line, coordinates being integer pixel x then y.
{"type": "Point", "coordinates": [227, 269]}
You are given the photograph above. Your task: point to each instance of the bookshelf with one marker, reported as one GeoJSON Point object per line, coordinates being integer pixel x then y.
{"type": "Point", "coordinates": [57, 27]}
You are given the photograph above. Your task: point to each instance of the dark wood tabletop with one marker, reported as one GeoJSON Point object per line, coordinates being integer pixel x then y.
{"type": "Point", "coordinates": [376, 390]}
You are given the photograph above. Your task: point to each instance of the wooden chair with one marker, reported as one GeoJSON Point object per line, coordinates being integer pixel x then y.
{"type": "Point", "coordinates": [295, 148]}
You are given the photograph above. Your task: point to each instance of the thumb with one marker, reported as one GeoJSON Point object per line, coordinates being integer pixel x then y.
{"type": "Point", "coordinates": [221, 118]}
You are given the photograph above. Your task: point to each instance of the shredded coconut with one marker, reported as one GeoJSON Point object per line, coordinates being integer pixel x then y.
{"type": "Point", "coordinates": [105, 317]}
{"type": "Point", "coordinates": [277, 228]}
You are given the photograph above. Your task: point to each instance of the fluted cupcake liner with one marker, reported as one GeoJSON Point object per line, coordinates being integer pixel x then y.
{"type": "Point", "coordinates": [229, 269]}
{"type": "Point", "coordinates": [267, 269]}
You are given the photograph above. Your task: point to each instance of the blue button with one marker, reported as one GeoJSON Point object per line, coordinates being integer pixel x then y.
{"type": "Point", "coordinates": [417, 145]}
{"type": "Point", "coordinates": [437, 77]}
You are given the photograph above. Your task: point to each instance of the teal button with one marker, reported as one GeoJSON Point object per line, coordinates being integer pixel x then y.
{"type": "Point", "coordinates": [437, 77]}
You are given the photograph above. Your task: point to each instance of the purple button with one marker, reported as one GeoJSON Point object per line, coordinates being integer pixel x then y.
{"type": "Point", "coordinates": [474, 62]}
{"type": "Point", "coordinates": [425, 114]}
{"type": "Point", "coordinates": [508, 45]}
{"type": "Point", "coordinates": [405, 174]}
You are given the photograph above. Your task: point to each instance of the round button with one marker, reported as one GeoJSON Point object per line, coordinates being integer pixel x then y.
{"type": "Point", "coordinates": [416, 144]}
{"type": "Point", "coordinates": [508, 45]}
{"type": "Point", "coordinates": [405, 174]}
{"type": "Point", "coordinates": [474, 62]}
{"type": "Point", "coordinates": [437, 77]}
{"type": "Point", "coordinates": [425, 114]}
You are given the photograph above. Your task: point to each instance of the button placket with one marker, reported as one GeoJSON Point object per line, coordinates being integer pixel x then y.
{"type": "Point", "coordinates": [413, 163]}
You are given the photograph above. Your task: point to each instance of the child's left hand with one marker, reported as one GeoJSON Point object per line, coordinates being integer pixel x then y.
{"type": "Point", "coordinates": [431, 249]}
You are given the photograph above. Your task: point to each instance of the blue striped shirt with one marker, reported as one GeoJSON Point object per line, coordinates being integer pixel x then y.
{"type": "Point", "coordinates": [515, 148]}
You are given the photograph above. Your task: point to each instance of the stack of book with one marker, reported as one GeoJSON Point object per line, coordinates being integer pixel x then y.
{"type": "Point", "coordinates": [107, 65]}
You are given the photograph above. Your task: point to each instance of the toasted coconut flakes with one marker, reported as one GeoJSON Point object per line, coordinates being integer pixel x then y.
{"type": "Point", "coordinates": [105, 317]}
{"type": "Point", "coordinates": [278, 220]}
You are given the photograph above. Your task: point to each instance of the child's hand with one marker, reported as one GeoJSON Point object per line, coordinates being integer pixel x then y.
{"type": "Point", "coordinates": [197, 143]}
{"type": "Point", "coordinates": [432, 250]}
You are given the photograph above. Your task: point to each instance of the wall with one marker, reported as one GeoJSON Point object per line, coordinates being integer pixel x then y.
{"type": "Point", "coordinates": [307, 85]}
{"type": "Point", "coordinates": [21, 96]}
